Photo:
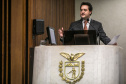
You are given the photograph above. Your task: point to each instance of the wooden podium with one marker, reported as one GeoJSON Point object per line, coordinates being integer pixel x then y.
{"type": "Point", "coordinates": [103, 64]}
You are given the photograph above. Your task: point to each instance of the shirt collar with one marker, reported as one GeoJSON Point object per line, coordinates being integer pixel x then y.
{"type": "Point", "coordinates": [88, 21]}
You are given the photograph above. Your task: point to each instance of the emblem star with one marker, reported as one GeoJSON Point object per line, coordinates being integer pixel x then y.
{"type": "Point", "coordinates": [72, 57]}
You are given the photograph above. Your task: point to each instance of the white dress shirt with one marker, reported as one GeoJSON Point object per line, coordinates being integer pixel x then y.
{"type": "Point", "coordinates": [87, 23]}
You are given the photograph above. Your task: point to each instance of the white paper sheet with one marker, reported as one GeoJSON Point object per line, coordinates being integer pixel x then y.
{"type": "Point", "coordinates": [114, 40]}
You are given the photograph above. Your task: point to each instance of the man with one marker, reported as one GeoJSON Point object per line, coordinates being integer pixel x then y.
{"type": "Point", "coordinates": [73, 71]}
{"type": "Point", "coordinates": [86, 23]}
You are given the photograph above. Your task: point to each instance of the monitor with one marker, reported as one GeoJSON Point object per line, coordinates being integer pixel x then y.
{"type": "Point", "coordinates": [51, 35]}
{"type": "Point", "coordinates": [80, 37]}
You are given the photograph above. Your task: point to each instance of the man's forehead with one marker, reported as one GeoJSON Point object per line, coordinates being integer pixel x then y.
{"type": "Point", "coordinates": [85, 6]}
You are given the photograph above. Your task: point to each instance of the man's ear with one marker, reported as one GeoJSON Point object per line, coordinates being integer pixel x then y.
{"type": "Point", "coordinates": [90, 12]}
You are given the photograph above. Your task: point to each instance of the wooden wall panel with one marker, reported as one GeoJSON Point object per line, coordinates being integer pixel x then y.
{"type": "Point", "coordinates": [17, 41]}
{"type": "Point", "coordinates": [5, 42]}
{"type": "Point", "coordinates": [54, 16]}
{"type": "Point", "coordinates": [31, 14]}
{"type": "Point", "coordinates": [2, 38]}
{"type": "Point", "coordinates": [57, 19]}
{"type": "Point", "coordinates": [17, 37]}
{"type": "Point", "coordinates": [56, 13]}
{"type": "Point", "coordinates": [2, 51]}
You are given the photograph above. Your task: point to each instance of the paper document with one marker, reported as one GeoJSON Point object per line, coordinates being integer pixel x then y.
{"type": "Point", "coordinates": [114, 40]}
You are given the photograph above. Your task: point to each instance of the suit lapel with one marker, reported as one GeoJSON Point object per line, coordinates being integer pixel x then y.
{"type": "Point", "coordinates": [91, 25]}
{"type": "Point", "coordinates": [81, 26]}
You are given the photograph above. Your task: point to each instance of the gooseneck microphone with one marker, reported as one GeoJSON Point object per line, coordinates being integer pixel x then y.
{"type": "Point", "coordinates": [95, 29]}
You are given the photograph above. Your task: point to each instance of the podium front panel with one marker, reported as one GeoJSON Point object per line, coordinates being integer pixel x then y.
{"type": "Point", "coordinates": [102, 64]}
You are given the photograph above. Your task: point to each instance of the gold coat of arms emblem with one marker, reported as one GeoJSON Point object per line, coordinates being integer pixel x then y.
{"type": "Point", "coordinates": [71, 71]}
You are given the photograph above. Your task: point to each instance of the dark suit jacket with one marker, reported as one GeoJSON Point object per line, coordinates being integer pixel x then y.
{"type": "Point", "coordinates": [77, 25]}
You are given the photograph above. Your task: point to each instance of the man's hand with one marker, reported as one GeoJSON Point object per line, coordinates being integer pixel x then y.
{"type": "Point", "coordinates": [60, 31]}
{"type": "Point", "coordinates": [115, 44]}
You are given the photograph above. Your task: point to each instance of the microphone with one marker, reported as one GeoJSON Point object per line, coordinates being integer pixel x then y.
{"type": "Point", "coordinates": [95, 29]}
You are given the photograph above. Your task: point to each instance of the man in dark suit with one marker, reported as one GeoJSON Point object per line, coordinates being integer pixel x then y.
{"type": "Point", "coordinates": [86, 23]}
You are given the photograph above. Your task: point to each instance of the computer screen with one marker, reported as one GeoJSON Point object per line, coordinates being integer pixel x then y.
{"type": "Point", "coordinates": [51, 35]}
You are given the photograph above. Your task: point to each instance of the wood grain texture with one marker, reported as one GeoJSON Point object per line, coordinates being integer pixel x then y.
{"type": "Point", "coordinates": [16, 48]}
{"type": "Point", "coordinates": [3, 42]}
{"type": "Point", "coordinates": [55, 13]}
{"type": "Point", "coordinates": [7, 40]}
{"type": "Point", "coordinates": [17, 41]}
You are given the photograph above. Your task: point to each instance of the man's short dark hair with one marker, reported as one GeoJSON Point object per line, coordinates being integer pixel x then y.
{"type": "Point", "coordinates": [88, 4]}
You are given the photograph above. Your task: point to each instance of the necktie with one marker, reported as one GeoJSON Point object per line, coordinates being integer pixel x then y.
{"type": "Point", "coordinates": [85, 25]}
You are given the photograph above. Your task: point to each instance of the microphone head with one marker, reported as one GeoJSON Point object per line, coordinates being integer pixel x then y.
{"type": "Point", "coordinates": [88, 19]}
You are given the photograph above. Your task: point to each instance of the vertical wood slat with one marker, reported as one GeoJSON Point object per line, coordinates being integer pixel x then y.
{"type": "Point", "coordinates": [3, 42]}
{"type": "Point", "coordinates": [65, 14]}
{"type": "Point", "coordinates": [58, 19]}
{"type": "Point", "coordinates": [24, 41]}
{"type": "Point", "coordinates": [54, 20]}
{"type": "Point", "coordinates": [38, 10]}
{"type": "Point", "coordinates": [17, 41]}
{"type": "Point", "coordinates": [33, 17]}
{"type": "Point", "coordinates": [30, 25]}
{"type": "Point", "coordinates": [6, 42]}
{"type": "Point", "coordinates": [62, 13]}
